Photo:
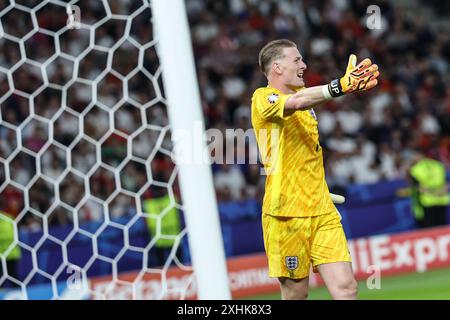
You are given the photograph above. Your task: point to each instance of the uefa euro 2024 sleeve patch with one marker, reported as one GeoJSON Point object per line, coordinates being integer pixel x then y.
{"type": "Point", "coordinates": [311, 111]}
{"type": "Point", "coordinates": [273, 97]}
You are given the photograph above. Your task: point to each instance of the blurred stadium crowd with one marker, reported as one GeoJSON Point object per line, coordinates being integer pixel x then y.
{"type": "Point", "coordinates": [366, 138]}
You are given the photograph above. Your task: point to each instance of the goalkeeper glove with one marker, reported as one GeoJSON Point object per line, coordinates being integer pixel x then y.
{"type": "Point", "coordinates": [356, 78]}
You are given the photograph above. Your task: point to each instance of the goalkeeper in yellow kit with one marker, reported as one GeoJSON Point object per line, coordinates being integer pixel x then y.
{"type": "Point", "coordinates": [301, 225]}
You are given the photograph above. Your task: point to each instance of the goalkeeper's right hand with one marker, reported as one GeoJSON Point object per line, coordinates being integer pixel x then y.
{"type": "Point", "coordinates": [356, 78]}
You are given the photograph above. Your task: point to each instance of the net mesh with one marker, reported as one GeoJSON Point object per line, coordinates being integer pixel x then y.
{"type": "Point", "coordinates": [85, 154]}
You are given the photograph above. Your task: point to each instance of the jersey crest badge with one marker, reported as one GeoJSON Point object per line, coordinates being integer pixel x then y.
{"type": "Point", "coordinates": [273, 98]}
{"type": "Point", "coordinates": [291, 262]}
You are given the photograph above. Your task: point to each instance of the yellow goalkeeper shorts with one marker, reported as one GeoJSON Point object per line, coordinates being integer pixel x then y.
{"type": "Point", "coordinates": [292, 244]}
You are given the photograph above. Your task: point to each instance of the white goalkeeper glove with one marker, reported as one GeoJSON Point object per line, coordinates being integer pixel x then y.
{"type": "Point", "coordinates": [337, 199]}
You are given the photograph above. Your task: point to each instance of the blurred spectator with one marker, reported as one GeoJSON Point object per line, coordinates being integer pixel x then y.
{"type": "Point", "coordinates": [12, 256]}
{"type": "Point", "coordinates": [429, 191]}
{"type": "Point", "coordinates": [164, 224]}
{"type": "Point", "coordinates": [229, 182]}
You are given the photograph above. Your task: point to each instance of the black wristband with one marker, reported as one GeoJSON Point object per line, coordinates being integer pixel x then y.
{"type": "Point", "coordinates": [335, 89]}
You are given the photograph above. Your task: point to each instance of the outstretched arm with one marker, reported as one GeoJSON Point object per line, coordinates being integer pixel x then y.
{"type": "Point", "coordinates": [356, 78]}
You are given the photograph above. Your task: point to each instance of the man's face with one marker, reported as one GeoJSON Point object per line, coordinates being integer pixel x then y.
{"type": "Point", "coordinates": [291, 68]}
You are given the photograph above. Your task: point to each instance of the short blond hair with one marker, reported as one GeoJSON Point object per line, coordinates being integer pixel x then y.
{"type": "Point", "coordinates": [273, 51]}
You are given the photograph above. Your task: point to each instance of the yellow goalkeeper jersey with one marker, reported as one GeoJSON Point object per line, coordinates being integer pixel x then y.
{"type": "Point", "coordinates": [292, 157]}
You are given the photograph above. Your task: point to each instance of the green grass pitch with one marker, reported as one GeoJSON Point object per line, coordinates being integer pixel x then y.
{"type": "Point", "coordinates": [431, 285]}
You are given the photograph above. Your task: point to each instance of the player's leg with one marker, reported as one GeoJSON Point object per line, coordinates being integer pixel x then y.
{"type": "Point", "coordinates": [438, 215]}
{"type": "Point", "coordinates": [294, 289]}
{"type": "Point", "coordinates": [331, 257]}
{"type": "Point", "coordinates": [339, 279]}
{"type": "Point", "coordinates": [442, 215]}
{"type": "Point", "coordinates": [286, 241]}
{"type": "Point", "coordinates": [428, 217]}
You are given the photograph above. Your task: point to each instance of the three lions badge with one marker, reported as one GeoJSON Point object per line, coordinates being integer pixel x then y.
{"type": "Point", "coordinates": [291, 262]}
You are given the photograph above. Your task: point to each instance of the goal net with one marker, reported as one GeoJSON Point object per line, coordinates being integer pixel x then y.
{"type": "Point", "coordinates": [95, 203]}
